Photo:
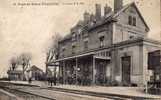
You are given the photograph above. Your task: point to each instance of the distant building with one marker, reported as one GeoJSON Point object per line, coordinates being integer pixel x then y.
{"type": "Point", "coordinates": [107, 49]}
{"type": "Point", "coordinates": [35, 73]}
{"type": "Point", "coordinates": [15, 75]}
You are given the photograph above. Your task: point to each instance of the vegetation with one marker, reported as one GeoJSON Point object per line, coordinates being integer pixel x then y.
{"type": "Point", "coordinates": [23, 59]}
{"type": "Point", "coordinates": [52, 52]}
{"type": "Point", "coordinates": [13, 62]}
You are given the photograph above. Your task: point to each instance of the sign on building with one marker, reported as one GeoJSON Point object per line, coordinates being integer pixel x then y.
{"type": "Point", "coordinates": [154, 59]}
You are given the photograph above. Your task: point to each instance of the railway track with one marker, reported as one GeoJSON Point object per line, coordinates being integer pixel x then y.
{"type": "Point", "coordinates": [93, 94]}
{"type": "Point", "coordinates": [27, 95]}
{"type": "Point", "coordinates": [18, 90]}
{"type": "Point", "coordinates": [20, 94]}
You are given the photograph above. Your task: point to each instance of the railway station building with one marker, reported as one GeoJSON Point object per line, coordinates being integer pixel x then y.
{"type": "Point", "coordinates": [108, 49]}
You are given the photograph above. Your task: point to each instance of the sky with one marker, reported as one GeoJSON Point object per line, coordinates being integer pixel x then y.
{"type": "Point", "coordinates": [29, 28]}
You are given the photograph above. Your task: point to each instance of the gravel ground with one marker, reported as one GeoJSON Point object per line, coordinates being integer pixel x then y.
{"type": "Point", "coordinates": [60, 95]}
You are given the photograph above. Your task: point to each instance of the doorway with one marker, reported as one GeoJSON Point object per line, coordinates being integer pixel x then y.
{"type": "Point", "coordinates": [126, 69]}
{"type": "Point", "coordinates": [101, 72]}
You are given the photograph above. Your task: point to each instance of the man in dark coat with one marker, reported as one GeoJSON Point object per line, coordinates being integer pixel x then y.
{"type": "Point", "coordinates": [50, 82]}
{"type": "Point", "coordinates": [54, 79]}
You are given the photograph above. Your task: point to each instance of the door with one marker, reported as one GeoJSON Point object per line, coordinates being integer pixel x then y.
{"type": "Point", "coordinates": [126, 69]}
{"type": "Point", "coordinates": [101, 73]}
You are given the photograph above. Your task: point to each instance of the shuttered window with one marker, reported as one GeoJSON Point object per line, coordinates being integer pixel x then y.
{"type": "Point", "coordinates": [132, 20]}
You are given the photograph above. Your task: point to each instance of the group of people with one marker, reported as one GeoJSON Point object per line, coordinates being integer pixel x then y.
{"type": "Point", "coordinates": [52, 80]}
{"type": "Point", "coordinates": [80, 80]}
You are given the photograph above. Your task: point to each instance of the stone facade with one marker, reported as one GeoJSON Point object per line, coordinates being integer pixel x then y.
{"type": "Point", "coordinates": [107, 50]}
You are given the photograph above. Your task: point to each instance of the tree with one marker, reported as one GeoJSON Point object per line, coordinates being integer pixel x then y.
{"type": "Point", "coordinates": [52, 50]}
{"type": "Point", "coordinates": [13, 62]}
{"type": "Point", "coordinates": [24, 60]}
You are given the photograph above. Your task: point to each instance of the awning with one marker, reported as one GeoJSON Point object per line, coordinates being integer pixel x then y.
{"type": "Point", "coordinates": [104, 58]}
{"type": "Point", "coordinates": [77, 56]}
{"type": "Point", "coordinates": [94, 53]}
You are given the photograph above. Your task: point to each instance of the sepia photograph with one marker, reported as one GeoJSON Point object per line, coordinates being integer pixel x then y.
{"type": "Point", "coordinates": [80, 50]}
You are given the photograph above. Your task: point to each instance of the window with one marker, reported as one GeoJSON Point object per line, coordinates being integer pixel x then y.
{"type": "Point", "coordinates": [79, 31]}
{"type": "Point", "coordinates": [63, 51]}
{"type": "Point", "coordinates": [73, 37]}
{"type": "Point", "coordinates": [85, 45]}
{"type": "Point", "coordinates": [73, 49]}
{"type": "Point", "coordinates": [102, 41]}
{"type": "Point", "coordinates": [132, 20]}
{"type": "Point", "coordinates": [79, 34]}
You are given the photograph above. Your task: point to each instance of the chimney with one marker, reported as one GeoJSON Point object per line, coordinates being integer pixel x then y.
{"type": "Point", "coordinates": [86, 17]}
{"type": "Point", "coordinates": [92, 17]}
{"type": "Point", "coordinates": [98, 11]}
{"type": "Point", "coordinates": [107, 10]}
{"type": "Point", "coordinates": [118, 4]}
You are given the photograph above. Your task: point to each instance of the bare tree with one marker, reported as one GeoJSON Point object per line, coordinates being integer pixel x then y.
{"type": "Point", "coordinates": [24, 60]}
{"type": "Point", "coordinates": [13, 62]}
{"type": "Point", "coordinates": [52, 50]}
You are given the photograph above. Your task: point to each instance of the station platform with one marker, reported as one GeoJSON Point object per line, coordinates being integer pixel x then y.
{"type": "Point", "coordinates": [124, 92]}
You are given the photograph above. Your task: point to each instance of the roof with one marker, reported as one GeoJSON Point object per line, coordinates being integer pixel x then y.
{"type": "Point", "coordinates": [34, 68]}
{"type": "Point", "coordinates": [15, 72]}
{"type": "Point", "coordinates": [111, 17]}
{"type": "Point", "coordinates": [127, 6]}
{"type": "Point", "coordinates": [66, 37]}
